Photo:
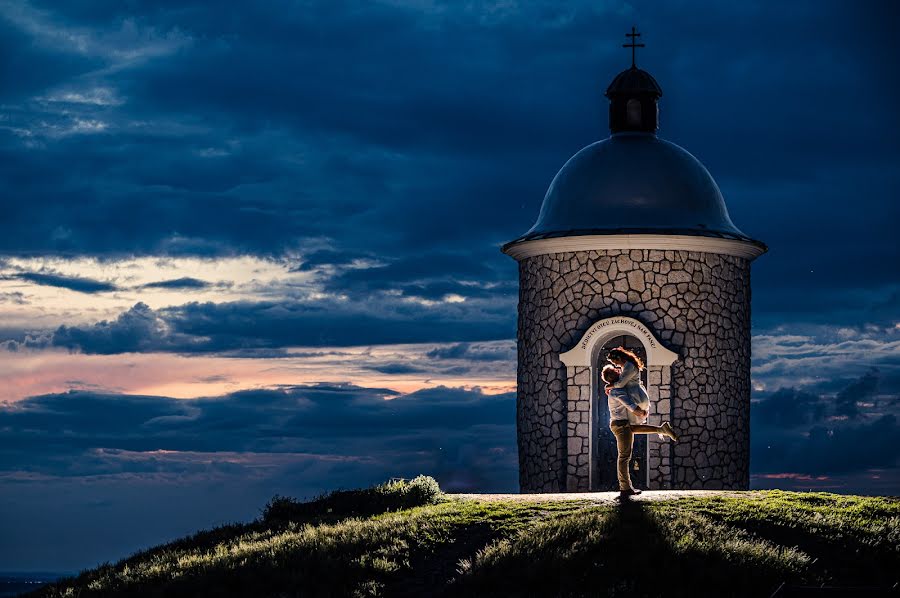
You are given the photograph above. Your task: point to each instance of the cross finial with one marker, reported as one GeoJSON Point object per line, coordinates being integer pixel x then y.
{"type": "Point", "coordinates": [633, 35]}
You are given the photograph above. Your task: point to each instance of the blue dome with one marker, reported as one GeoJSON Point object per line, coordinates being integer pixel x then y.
{"type": "Point", "coordinates": [633, 183]}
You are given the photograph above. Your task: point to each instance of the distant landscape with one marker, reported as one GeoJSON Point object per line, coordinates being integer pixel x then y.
{"type": "Point", "coordinates": [14, 583]}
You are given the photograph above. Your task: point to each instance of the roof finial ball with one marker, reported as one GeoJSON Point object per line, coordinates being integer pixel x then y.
{"type": "Point", "coordinates": [634, 247]}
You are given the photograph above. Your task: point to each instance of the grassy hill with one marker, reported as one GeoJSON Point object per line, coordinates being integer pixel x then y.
{"type": "Point", "coordinates": [409, 539]}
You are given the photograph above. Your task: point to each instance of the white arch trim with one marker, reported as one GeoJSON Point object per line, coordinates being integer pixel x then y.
{"type": "Point", "coordinates": [744, 249]}
{"type": "Point", "coordinates": [597, 335]}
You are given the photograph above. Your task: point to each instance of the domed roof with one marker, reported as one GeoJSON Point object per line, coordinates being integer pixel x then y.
{"type": "Point", "coordinates": [633, 183]}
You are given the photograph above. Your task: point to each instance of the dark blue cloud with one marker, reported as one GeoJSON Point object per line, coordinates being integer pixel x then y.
{"type": "Point", "coordinates": [321, 324]}
{"type": "Point", "coordinates": [138, 329]}
{"type": "Point", "coordinates": [429, 276]}
{"type": "Point", "coordinates": [186, 282]}
{"type": "Point", "coordinates": [789, 407]}
{"type": "Point", "coordinates": [61, 434]}
{"type": "Point", "coordinates": [73, 283]}
{"type": "Point", "coordinates": [329, 257]}
{"type": "Point", "coordinates": [471, 352]}
{"type": "Point", "coordinates": [27, 68]}
{"type": "Point", "coordinates": [420, 267]}
{"type": "Point", "coordinates": [244, 327]}
{"type": "Point", "coordinates": [396, 368]}
{"type": "Point", "coordinates": [863, 389]}
{"type": "Point", "coordinates": [850, 431]}
{"type": "Point", "coordinates": [834, 449]}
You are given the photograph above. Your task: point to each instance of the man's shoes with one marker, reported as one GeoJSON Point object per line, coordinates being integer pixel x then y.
{"type": "Point", "coordinates": [667, 427]}
{"type": "Point", "coordinates": [629, 492]}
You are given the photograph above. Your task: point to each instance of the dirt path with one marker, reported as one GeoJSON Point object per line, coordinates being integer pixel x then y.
{"type": "Point", "coordinates": [603, 497]}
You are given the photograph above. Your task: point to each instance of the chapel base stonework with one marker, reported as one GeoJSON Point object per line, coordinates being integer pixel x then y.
{"type": "Point", "coordinates": [693, 302]}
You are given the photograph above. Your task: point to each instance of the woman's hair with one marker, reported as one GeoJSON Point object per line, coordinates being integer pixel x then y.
{"type": "Point", "coordinates": [610, 374]}
{"type": "Point", "coordinates": [626, 355]}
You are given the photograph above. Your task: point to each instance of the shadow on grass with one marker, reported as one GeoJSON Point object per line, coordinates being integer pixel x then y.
{"type": "Point", "coordinates": [631, 550]}
{"type": "Point", "coordinates": [854, 541]}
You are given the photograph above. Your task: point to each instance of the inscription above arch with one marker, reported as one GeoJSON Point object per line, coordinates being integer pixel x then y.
{"type": "Point", "coordinates": [582, 354]}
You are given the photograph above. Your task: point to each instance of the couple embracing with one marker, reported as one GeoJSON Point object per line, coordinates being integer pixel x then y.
{"type": "Point", "coordinates": [629, 406]}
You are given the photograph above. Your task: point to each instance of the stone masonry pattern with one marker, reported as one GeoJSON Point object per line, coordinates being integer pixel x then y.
{"type": "Point", "coordinates": [697, 303]}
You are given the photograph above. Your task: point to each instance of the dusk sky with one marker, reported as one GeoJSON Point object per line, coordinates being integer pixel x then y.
{"type": "Point", "coordinates": [252, 249]}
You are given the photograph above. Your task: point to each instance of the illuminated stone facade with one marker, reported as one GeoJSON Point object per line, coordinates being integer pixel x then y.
{"type": "Point", "coordinates": [695, 303]}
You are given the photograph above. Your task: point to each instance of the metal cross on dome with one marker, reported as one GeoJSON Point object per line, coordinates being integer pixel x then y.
{"type": "Point", "coordinates": [633, 35]}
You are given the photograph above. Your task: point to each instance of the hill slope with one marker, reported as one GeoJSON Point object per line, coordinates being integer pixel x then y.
{"type": "Point", "coordinates": [377, 542]}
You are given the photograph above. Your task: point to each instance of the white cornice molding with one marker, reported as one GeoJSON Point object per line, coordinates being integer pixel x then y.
{"type": "Point", "coordinates": [744, 249]}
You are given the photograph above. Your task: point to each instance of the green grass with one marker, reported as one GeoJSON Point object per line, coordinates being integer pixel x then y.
{"type": "Point", "coordinates": [421, 542]}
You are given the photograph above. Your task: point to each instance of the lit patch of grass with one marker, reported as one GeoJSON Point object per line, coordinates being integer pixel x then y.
{"type": "Point", "coordinates": [870, 520]}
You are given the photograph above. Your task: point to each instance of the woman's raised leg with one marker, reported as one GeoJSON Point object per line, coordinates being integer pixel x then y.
{"type": "Point", "coordinates": [663, 430]}
{"type": "Point", "coordinates": [646, 429]}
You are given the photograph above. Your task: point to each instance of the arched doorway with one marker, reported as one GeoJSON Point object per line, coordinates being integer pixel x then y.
{"type": "Point", "coordinates": [603, 463]}
{"type": "Point", "coordinates": [588, 437]}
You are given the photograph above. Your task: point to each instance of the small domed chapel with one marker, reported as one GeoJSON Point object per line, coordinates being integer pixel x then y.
{"type": "Point", "coordinates": [634, 247]}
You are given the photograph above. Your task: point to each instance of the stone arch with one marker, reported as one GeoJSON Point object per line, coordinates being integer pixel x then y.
{"type": "Point", "coordinates": [582, 391]}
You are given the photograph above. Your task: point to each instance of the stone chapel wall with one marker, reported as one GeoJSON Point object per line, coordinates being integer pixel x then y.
{"type": "Point", "coordinates": [697, 303]}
